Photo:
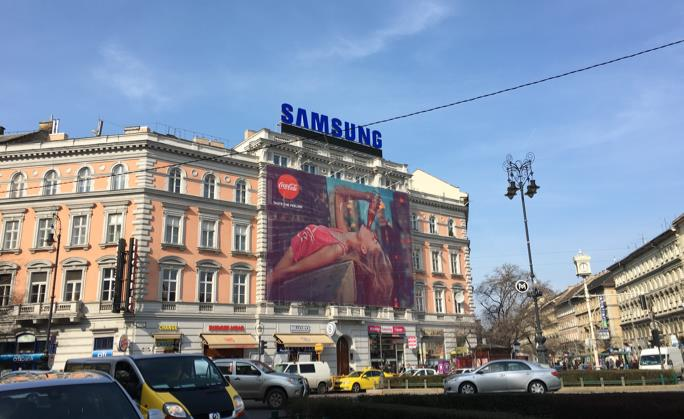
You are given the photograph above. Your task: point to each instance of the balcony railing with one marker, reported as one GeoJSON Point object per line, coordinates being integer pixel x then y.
{"type": "Point", "coordinates": [192, 308]}
{"type": "Point", "coordinates": [71, 310]}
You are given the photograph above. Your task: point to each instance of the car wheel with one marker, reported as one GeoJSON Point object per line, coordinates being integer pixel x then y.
{"type": "Point", "coordinates": [467, 388]}
{"type": "Point", "coordinates": [356, 388]}
{"type": "Point", "coordinates": [275, 399]}
{"type": "Point", "coordinates": [322, 388]}
{"type": "Point", "coordinates": [536, 387]}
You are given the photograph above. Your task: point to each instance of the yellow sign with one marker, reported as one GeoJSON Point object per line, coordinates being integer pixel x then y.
{"type": "Point", "coordinates": [168, 327]}
{"type": "Point", "coordinates": [318, 347]}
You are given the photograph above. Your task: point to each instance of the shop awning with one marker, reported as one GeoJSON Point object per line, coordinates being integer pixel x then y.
{"type": "Point", "coordinates": [167, 336]}
{"type": "Point", "coordinates": [229, 341]}
{"type": "Point", "coordinates": [302, 341]}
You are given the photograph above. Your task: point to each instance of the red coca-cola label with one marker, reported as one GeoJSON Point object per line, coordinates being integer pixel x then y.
{"type": "Point", "coordinates": [288, 187]}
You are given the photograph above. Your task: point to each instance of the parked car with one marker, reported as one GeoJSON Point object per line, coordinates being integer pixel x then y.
{"type": "Point", "coordinates": [360, 380]}
{"type": "Point", "coordinates": [316, 373]}
{"type": "Point", "coordinates": [505, 376]}
{"type": "Point", "coordinates": [67, 395]}
{"type": "Point", "coordinates": [422, 372]}
{"type": "Point", "coordinates": [180, 385]}
{"type": "Point", "coordinates": [671, 358]}
{"type": "Point", "coordinates": [257, 381]}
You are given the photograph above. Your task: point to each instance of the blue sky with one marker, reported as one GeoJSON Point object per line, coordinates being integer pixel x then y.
{"type": "Point", "coordinates": [608, 142]}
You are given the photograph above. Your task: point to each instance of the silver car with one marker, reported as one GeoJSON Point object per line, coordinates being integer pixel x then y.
{"type": "Point", "coordinates": [505, 376]}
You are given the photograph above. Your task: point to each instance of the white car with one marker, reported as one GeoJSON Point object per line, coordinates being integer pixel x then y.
{"type": "Point", "coordinates": [421, 372]}
{"type": "Point", "coordinates": [316, 373]}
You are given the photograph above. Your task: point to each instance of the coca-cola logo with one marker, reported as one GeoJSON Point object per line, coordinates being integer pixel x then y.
{"type": "Point", "coordinates": [288, 187]}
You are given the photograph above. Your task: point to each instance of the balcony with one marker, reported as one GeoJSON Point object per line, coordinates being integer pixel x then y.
{"type": "Point", "coordinates": [72, 311]}
{"type": "Point", "coordinates": [196, 308]}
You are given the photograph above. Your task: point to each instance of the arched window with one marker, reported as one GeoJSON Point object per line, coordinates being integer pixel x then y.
{"type": "Point", "coordinates": [17, 185]}
{"type": "Point", "coordinates": [118, 180]}
{"type": "Point", "coordinates": [50, 183]}
{"type": "Point", "coordinates": [241, 191]}
{"type": "Point", "coordinates": [209, 186]}
{"type": "Point", "coordinates": [175, 177]}
{"type": "Point", "coordinates": [83, 180]}
{"type": "Point", "coordinates": [433, 225]}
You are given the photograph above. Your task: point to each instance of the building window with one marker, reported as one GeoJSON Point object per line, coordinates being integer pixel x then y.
{"type": "Point", "coordinates": [433, 225]}
{"type": "Point", "coordinates": [459, 296]}
{"type": "Point", "coordinates": [439, 300]}
{"type": "Point", "coordinates": [43, 229]}
{"type": "Point", "coordinates": [206, 286]}
{"type": "Point", "coordinates": [175, 177]}
{"type": "Point", "coordinates": [239, 288]}
{"type": "Point", "coordinates": [17, 186]}
{"type": "Point", "coordinates": [339, 174]}
{"type": "Point", "coordinates": [79, 230]}
{"type": "Point", "coordinates": [118, 179]}
{"type": "Point", "coordinates": [83, 180]}
{"type": "Point", "coordinates": [172, 229]}
{"type": "Point", "coordinates": [360, 179]}
{"type": "Point", "coordinates": [420, 298]}
{"type": "Point", "coordinates": [103, 343]}
{"type": "Point", "coordinates": [50, 183]}
{"type": "Point", "coordinates": [38, 287]}
{"type": "Point", "coordinates": [169, 284]}
{"type": "Point", "coordinates": [72, 285]}
{"type": "Point", "coordinates": [10, 239]}
{"type": "Point", "coordinates": [208, 234]}
{"type": "Point", "coordinates": [436, 261]}
{"type": "Point", "coordinates": [240, 237]}
{"type": "Point", "coordinates": [108, 284]}
{"type": "Point", "coordinates": [417, 259]}
{"type": "Point", "coordinates": [279, 160]}
{"type": "Point", "coordinates": [450, 227]}
{"type": "Point", "coordinates": [414, 222]}
{"type": "Point", "coordinates": [455, 264]}
{"type": "Point", "coordinates": [209, 186]}
{"type": "Point", "coordinates": [310, 168]}
{"type": "Point", "coordinates": [241, 192]}
{"type": "Point", "coordinates": [5, 289]}
{"type": "Point", "coordinates": [114, 227]}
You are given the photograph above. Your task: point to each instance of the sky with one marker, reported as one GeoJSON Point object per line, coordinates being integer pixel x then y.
{"type": "Point", "coordinates": [608, 142]}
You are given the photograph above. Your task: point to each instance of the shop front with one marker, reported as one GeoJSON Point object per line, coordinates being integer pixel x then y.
{"type": "Point", "coordinates": [227, 341]}
{"type": "Point", "coordinates": [25, 351]}
{"type": "Point", "coordinates": [432, 347]}
{"type": "Point", "coordinates": [300, 344]}
{"type": "Point", "coordinates": [386, 345]}
{"type": "Point", "coordinates": [168, 340]}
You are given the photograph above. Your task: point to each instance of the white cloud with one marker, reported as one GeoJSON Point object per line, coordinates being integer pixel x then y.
{"type": "Point", "coordinates": [130, 76]}
{"type": "Point", "coordinates": [408, 21]}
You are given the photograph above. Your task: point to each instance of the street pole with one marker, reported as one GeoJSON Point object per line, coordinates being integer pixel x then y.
{"type": "Point", "coordinates": [50, 241]}
{"type": "Point", "coordinates": [654, 326]}
{"type": "Point", "coordinates": [591, 324]}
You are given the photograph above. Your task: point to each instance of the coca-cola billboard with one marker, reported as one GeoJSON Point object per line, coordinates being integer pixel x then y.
{"type": "Point", "coordinates": [334, 241]}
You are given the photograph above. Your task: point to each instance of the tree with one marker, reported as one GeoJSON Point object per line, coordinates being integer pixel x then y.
{"type": "Point", "coordinates": [508, 315]}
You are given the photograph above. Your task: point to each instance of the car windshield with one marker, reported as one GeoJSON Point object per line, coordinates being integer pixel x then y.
{"type": "Point", "coordinates": [354, 374]}
{"type": "Point", "coordinates": [72, 401]}
{"type": "Point", "coordinates": [177, 373]}
{"type": "Point", "coordinates": [280, 367]}
{"type": "Point", "coordinates": [651, 359]}
{"type": "Point", "coordinates": [263, 367]}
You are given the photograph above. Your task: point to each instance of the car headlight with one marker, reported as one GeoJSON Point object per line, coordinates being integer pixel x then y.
{"type": "Point", "coordinates": [292, 380]}
{"type": "Point", "coordinates": [238, 406]}
{"type": "Point", "coordinates": [174, 410]}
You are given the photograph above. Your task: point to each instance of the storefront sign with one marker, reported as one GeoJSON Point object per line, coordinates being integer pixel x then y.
{"type": "Point", "coordinates": [21, 357]}
{"type": "Point", "coordinates": [330, 329]}
{"type": "Point", "coordinates": [433, 332]}
{"type": "Point", "coordinates": [603, 334]}
{"type": "Point", "coordinates": [300, 328]}
{"type": "Point", "coordinates": [374, 329]}
{"type": "Point", "coordinates": [226, 328]}
{"type": "Point", "coordinates": [123, 343]}
{"type": "Point", "coordinates": [412, 342]}
{"type": "Point", "coordinates": [102, 353]}
{"type": "Point", "coordinates": [168, 327]}
{"type": "Point", "coordinates": [387, 330]}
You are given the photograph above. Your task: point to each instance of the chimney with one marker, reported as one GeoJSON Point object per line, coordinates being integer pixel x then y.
{"type": "Point", "coordinates": [45, 126]}
{"type": "Point", "coordinates": [248, 133]}
{"type": "Point", "coordinates": [2, 130]}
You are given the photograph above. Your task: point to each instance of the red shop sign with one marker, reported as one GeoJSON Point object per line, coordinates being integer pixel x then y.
{"type": "Point", "coordinates": [374, 329]}
{"type": "Point", "coordinates": [226, 328]}
{"type": "Point", "coordinates": [398, 330]}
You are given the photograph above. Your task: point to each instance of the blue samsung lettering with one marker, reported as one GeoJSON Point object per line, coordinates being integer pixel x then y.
{"type": "Point", "coordinates": [336, 128]}
{"type": "Point", "coordinates": [302, 120]}
{"type": "Point", "coordinates": [377, 139]}
{"type": "Point", "coordinates": [286, 117]}
{"type": "Point", "coordinates": [319, 122]}
{"type": "Point", "coordinates": [349, 131]}
{"type": "Point", "coordinates": [364, 135]}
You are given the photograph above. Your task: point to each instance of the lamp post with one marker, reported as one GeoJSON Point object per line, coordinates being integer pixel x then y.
{"type": "Point", "coordinates": [516, 348]}
{"type": "Point", "coordinates": [50, 240]}
{"type": "Point", "coordinates": [520, 174]}
{"type": "Point", "coordinates": [583, 270]}
{"type": "Point", "coordinates": [260, 331]}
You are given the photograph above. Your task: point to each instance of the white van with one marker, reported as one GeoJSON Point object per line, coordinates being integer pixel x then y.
{"type": "Point", "coordinates": [669, 356]}
{"type": "Point", "coordinates": [317, 373]}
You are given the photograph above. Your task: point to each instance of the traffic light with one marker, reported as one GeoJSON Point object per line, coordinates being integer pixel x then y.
{"type": "Point", "coordinates": [655, 338]}
{"type": "Point", "coordinates": [262, 347]}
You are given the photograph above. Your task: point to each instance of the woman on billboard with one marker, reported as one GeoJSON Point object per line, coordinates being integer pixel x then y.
{"type": "Point", "coordinates": [317, 246]}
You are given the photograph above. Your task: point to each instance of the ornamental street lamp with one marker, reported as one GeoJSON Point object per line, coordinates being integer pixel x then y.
{"type": "Point", "coordinates": [520, 174]}
{"type": "Point", "coordinates": [56, 228]}
{"type": "Point", "coordinates": [583, 270]}
{"type": "Point", "coordinates": [516, 348]}
{"type": "Point", "coordinates": [260, 331]}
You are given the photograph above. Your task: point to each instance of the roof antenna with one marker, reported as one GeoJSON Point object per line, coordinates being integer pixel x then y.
{"type": "Point", "coordinates": [98, 131]}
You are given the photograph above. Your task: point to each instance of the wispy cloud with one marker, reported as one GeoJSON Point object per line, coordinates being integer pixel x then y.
{"type": "Point", "coordinates": [408, 21]}
{"type": "Point", "coordinates": [120, 70]}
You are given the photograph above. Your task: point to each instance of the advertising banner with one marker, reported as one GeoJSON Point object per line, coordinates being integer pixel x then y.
{"type": "Point", "coordinates": [333, 241]}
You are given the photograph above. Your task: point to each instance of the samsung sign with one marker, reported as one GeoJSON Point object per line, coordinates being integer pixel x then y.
{"type": "Point", "coordinates": [331, 130]}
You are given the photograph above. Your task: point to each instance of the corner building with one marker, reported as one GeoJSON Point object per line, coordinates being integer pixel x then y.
{"type": "Point", "coordinates": [197, 212]}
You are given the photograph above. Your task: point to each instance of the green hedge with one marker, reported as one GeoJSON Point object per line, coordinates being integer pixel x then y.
{"type": "Point", "coordinates": [414, 382]}
{"type": "Point", "coordinates": [613, 377]}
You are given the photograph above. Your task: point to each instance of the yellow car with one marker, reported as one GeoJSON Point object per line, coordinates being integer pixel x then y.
{"type": "Point", "coordinates": [360, 380]}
